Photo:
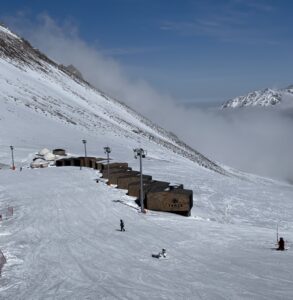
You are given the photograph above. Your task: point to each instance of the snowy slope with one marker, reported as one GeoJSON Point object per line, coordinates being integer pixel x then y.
{"type": "Point", "coordinates": [29, 79]}
{"type": "Point", "coordinates": [63, 240]}
{"type": "Point", "coordinates": [266, 97]}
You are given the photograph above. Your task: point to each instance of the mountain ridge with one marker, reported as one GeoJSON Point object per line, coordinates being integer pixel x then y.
{"type": "Point", "coordinates": [58, 93]}
{"type": "Point", "coordinates": [261, 98]}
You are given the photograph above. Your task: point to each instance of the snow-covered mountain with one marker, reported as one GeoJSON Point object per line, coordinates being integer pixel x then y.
{"type": "Point", "coordinates": [30, 80]}
{"type": "Point", "coordinates": [266, 97]}
{"type": "Point", "coordinates": [63, 239]}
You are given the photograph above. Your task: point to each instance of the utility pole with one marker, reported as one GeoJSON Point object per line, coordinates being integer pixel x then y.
{"type": "Point", "coordinates": [84, 143]}
{"type": "Point", "coordinates": [12, 158]}
{"type": "Point", "coordinates": [139, 152]}
{"type": "Point", "coordinates": [107, 151]}
{"type": "Point", "coordinates": [83, 160]}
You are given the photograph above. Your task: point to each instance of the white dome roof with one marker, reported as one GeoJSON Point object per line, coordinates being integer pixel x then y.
{"type": "Point", "coordinates": [38, 163]}
{"type": "Point", "coordinates": [44, 151]}
{"type": "Point", "coordinates": [49, 156]}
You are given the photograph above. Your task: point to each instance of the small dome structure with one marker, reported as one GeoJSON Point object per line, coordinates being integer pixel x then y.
{"type": "Point", "coordinates": [49, 156]}
{"type": "Point", "coordinates": [44, 151]}
{"type": "Point", "coordinates": [39, 163]}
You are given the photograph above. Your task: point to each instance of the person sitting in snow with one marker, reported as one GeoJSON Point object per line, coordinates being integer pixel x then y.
{"type": "Point", "coordinates": [122, 225]}
{"type": "Point", "coordinates": [281, 244]}
{"type": "Point", "coordinates": [163, 253]}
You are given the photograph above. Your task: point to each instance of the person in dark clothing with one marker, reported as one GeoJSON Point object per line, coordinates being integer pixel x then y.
{"type": "Point", "coordinates": [122, 225]}
{"type": "Point", "coordinates": [281, 244]}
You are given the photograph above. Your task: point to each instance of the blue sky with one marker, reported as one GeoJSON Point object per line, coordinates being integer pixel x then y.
{"type": "Point", "coordinates": [196, 51]}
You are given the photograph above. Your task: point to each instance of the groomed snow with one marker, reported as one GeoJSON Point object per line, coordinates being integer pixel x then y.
{"type": "Point", "coordinates": [63, 241]}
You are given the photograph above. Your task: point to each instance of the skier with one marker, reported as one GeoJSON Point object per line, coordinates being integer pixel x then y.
{"type": "Point", "coordinates": [163, 253]}
{"type": "Point", "coordinates": [281, 244]}
{"type": "Point", "coordinates": [122, 225]}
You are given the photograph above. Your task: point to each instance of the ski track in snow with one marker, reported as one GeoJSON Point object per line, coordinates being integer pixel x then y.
{"type": "Point", "coordinates": [63, 241]}
{"type": "Point", "coordinates": [66, 245]}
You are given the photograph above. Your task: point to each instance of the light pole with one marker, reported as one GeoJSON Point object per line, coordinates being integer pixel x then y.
{"type": "Point", "coordinates": [84, 143]}
{"type": "Point", "coordinates": [139, 152]}
{"type": "Point", "coordinates": [12, 157]}
{"type": "Point", "coordinates": [107, 151]}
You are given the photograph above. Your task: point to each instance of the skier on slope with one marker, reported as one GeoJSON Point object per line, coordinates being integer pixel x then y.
{"type": "Point", "coordinates": [163, 253]}
{"type": "Point", "coordinates": [281, 244]}
{"type": "Point", "coordinates": [122, 225]}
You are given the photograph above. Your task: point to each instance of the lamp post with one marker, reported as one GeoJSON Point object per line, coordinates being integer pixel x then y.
{"type": "Point", "coordinates": [84, 143]}
{"type": "Point", "coordinates": [12, 157]}
{"type": "Point", "coordinates": [81, 159]}
{"type": "Point", "coordinates": [107, 151]}
{"type": "Point", "coordinates": [139, 152]}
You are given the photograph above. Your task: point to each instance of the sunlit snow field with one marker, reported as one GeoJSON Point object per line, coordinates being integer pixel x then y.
{"type": "Point", "coordinates": [63, 241]}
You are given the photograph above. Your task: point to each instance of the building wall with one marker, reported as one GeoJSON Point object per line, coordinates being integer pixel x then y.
{"type": "Point", "coordinates": [117, 165]}
{"type": "Point", "coordinates": [59, 152]}
{"type": "Point", "coordinates": [114, 176]}
{"type": "Point", "coordinates": [134, 188]}
{"type": "Point", "coordinates": [111, 171]}
{"type": "Point", "coordinates": [123, 182]}
{"type": "Point", "coordinates": [169, 201]}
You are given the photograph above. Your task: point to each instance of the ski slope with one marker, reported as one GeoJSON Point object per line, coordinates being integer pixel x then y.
{"type": "Point", "coordinates": [63, 241]}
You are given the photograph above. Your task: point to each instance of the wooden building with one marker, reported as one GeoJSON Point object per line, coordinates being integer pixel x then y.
{"type": "Point", "coordinates": [178, 201]}
{"type": "Point", "coordinates": [113, 179]}
{"type": "Point", "coordinates": [134, 188]}
{"type": "Point", "coordinates": [114, 165]}
{"type": "Point", "coordinates": [111, 171]}
{"type": "Point", "coordinates": [89, 162]}
{"type": "Point", "coordinates": [60, 152]}
{"type": "Point", "coordinates": [125, 180]}
{"type": "Point", "coordinates": [61, 162]}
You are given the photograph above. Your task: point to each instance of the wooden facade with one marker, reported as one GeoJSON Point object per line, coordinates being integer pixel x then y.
{"type": "Point", "coordinates": [178, 201]}
{"type": "Point", "coordinates": [158, 195]}
{"type": "Point", "coordinates": [117, 165]}
{"type": "Point", "coordinates": [134, 188]}
{"type": "Point", "coordinates": [111, 171]}
{"type": "Point", "coordinates": [60, 152]}
{"type": "Point", "coordinates": [89, 162]}
{"type": "Point", "coordinates": [114, 176]}
{"type": "Point", "coordinates": [125, 180]}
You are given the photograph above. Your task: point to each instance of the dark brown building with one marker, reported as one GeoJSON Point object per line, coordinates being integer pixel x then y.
{"type": "Point", "coordinates": [89, 162]}
{"type": "Point", "coordinates": [111, 171]}
{"type": "Point", "coordinates": [59, 152]}
{"type": "Point", "coordinates": [114, 176]}
{"type": "Point", "coordinates": [125, 180]}
{"type": "Point", "coordinates": [178, 201]}
{"type": "Point", "coordinates": [62, 162]}
{"type": "Point", "coordinates": [134, 188]}
{"type": "Point", "coordinates": [114, 165]}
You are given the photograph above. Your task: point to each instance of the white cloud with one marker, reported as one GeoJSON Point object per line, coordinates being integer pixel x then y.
{"type": "Point", "coordinates": [254, 141]}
